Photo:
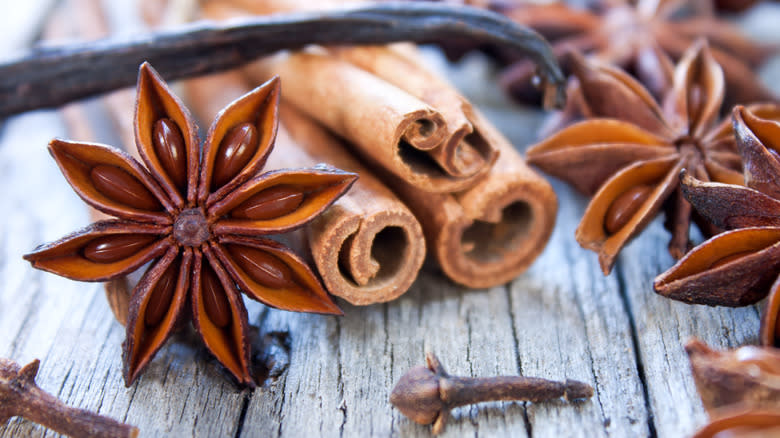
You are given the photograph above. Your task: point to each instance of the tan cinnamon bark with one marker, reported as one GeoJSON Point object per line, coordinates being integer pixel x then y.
{"type": "Point", "coordinates": [492, 232]}
{"type": "Point", "coordinates": [425, 134]}
{"type": "Point", "coordinates": [483, 231]}
{"type": "Point", "coordinates": [368, 247]}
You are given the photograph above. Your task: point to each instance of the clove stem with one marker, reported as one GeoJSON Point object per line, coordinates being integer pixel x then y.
{"type": "Point", "coordinates": [463, 391]}
{"type": "Point", "coordinates": [51, 76]}
{"type": "Point", "coordinates": [426, 394]}
{"type": "Point", "coordinates": [20, 396]}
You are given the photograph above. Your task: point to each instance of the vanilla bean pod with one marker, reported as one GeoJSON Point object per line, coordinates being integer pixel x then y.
{"type": "Point", "coordinates": [51, 76]}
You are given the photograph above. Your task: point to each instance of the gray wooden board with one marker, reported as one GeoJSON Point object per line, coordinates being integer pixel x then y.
{"type": "Point", "coordinates": [562, 319]}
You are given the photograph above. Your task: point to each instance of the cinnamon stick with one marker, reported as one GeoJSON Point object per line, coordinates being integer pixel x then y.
{"type": "Point", "coordinates": [483, 233]}
{"type": "Point", "coordinates": [492, 232]}
{"type": "Point", "coordinates": [368, 247]}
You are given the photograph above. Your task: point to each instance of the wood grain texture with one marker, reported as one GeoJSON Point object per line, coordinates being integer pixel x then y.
{"type": "Point", "coordinates": [561, 319]}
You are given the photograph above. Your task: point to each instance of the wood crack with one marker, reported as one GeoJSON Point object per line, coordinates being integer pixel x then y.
{"type": "Point", "coordinates": [244, 408]}
{"type": "Point", "coordinates": [624, 299]}
{"type": "Point", "coordinates": [516, 347]}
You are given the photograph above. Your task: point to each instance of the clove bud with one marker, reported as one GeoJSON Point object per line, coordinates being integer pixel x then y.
{"type": "Point", "coordinates": [20, 396]}
{"type": "Point", "coordinates": [426, 394]}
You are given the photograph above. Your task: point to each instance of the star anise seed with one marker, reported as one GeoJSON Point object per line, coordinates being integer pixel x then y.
{"type": "Point", "coordinates": [199, 218]}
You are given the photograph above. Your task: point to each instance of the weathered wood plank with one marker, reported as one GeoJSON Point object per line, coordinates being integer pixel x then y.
{"type": "Point", "coordinates": [562, 319]}
{"type": "Point", "coordinates": [663, 326]}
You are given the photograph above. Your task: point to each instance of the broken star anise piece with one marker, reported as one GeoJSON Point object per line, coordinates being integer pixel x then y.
{"type": "Point", "coordinates": [632, 153]}
{"type": "Point", "coordinates": [740, 389]}
{"type": "Point", "coordinates": [199, 217]}
{"type": "Point", "coordinates": [746, 376]}
{"type": "Point", "coordinates": [740, 266]}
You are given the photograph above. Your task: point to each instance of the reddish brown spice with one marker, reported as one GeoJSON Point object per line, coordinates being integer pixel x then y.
{"type": "Point", "coordinates": [740, 266]}
{"type": "Point", "coordinates": [629, 153]}
{"type": "Point", "coordinates": [20, 396]}
{"type": "Point", "coordinates": [426, 394]}
{"type": "Point", "coordinates": [200, 219]}
{"type": "Point", "coordinates": [637, 36]}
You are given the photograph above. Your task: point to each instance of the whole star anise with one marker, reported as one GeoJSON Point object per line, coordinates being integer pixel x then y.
{"type": "Point", "coordinates": [637, 36]}
{"type": "Point", "coordinates": [199, 216]}
{"type": "Point", "coordinates": [631, 157]}
{"type": "Point", "coordinates": [740, 266]}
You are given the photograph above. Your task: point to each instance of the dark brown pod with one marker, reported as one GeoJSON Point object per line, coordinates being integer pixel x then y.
{"type": "Point", "coordinates": [262, 267]}
{"type": "Point", "coordinates": [120, 186]}
{"type": "Point", "coordinates": [111, 249]}
{"type": "Point", "coordinates": [214, 300]}
{"type": "Point", "coordinates": [270, 203]}
{"type": "Point", "coordinates": [235, 151]}
{"type": "Point", "coordinates": [171, 151]}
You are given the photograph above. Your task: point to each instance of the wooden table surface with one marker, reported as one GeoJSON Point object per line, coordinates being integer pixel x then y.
{"type": "Point", "coordinates": [561, 319]}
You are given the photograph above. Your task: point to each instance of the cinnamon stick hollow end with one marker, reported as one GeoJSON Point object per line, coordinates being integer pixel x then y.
{"type": "Point", "coordinates": [368, 247]}
{"type": "Point", "coordinates": [497, 229]}
{"type": "Point", "coordinates": [367, 258]}
{"type": "Point", "coordinates": [389, 126]}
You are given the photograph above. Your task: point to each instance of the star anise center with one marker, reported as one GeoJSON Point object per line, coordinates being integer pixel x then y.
{"type": "Point", "coordinates": [191, 227]}
{"type": "Point", "coordinates": [690, 146]}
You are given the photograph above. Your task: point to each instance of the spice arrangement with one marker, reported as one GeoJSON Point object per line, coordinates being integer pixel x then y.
{"type": "Point", "coordinates": [424, 172]}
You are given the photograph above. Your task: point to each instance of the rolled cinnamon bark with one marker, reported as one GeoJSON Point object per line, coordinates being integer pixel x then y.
{"type": "Point", "coordinates": [484, 232]}
{"type": "Point", "coordinates": [491, 233]}
{"type": "Point", "coordinates": [368, 247]}
{"type": "Point", "coordinates": [425, 134]}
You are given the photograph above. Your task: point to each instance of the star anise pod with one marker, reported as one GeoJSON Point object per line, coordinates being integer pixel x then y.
{"type": "Point", "coordinates": [631, 35]}
{"type": "Point", "coordinates": [740, 266]}
{"type": "Point", "coordinates": [200, 217]}
{"type": "Point", "coordinates": [632, 156]}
